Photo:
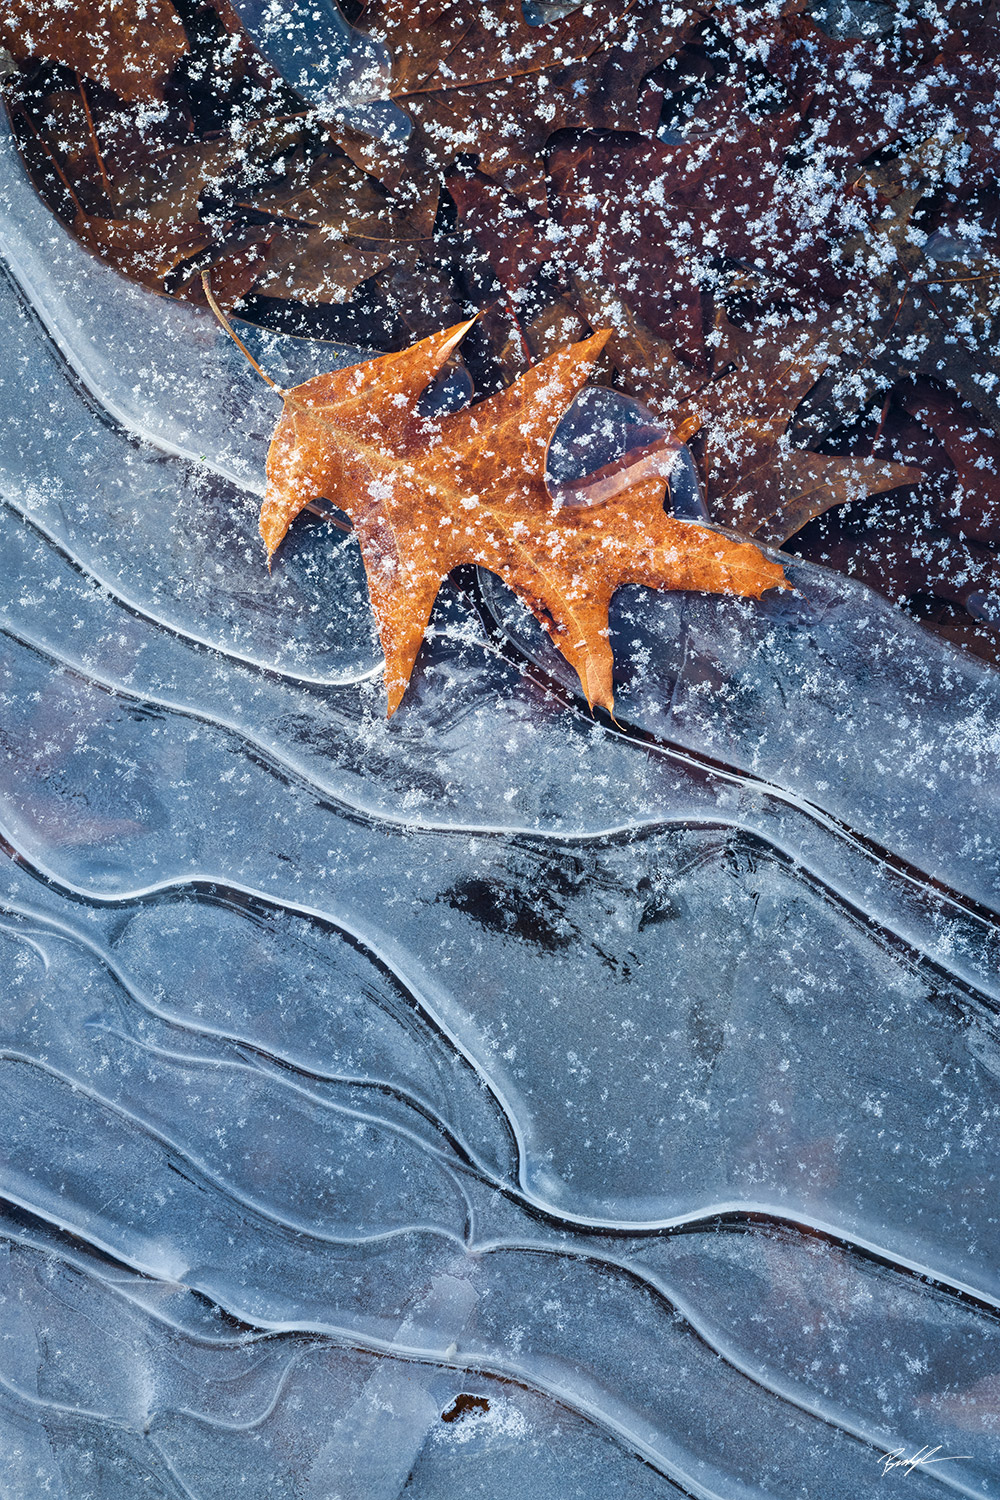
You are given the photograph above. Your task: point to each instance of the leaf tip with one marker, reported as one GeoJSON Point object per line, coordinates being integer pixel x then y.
{"type": "Point", "coordinates": [272, 530]}
{"type": "Point", "coordinates": [598, 339]}
{"type": "Point", "coordinates": [455, 335]}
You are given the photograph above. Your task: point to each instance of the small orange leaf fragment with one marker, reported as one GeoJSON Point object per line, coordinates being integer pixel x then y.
{"type": "Point", "coordinates": [428, 494]}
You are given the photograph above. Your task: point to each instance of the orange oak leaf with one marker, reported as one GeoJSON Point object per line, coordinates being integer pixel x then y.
{"type": "Point", "coordinates": [428, 494]}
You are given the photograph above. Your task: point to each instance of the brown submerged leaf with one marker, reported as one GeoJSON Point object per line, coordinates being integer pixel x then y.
{"type": "Point", "coordinates": [427, 495]}
{"type": "Point", "coordinates": [973, 449]}
{"type": "Point", "coordinates": [466, 70]}
{"type": "Point", "coordinates": [127, 48]}
{"type": "Point", "coordinates": [756, 481]}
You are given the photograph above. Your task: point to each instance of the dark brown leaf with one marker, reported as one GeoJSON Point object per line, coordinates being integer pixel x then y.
{"type": "Point", "coordinates": [130, 50]}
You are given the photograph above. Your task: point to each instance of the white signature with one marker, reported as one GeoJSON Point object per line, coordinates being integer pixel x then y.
{"type": "Point", "coordinates": [897, 1460]}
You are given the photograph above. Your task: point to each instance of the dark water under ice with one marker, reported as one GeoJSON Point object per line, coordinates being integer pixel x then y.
{"type": "Point", "coordinates": [490, 1102]}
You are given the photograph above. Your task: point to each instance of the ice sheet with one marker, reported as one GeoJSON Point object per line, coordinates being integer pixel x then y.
{"type": "Point", "coordinates": [487, 1102]}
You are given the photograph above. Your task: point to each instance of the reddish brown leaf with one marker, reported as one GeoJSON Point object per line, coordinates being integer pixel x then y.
{"type": "Point", "coordinates": [973, 449]}
{"type": "Point", "coordinates": [145, 249]}
{"type": "Point", "coordinates": [788, 489]}
{"type": "Point", "coordinates": [647, 365]}
{"type": "Point", "coordinates": [476, 78]}
{"type": "Point", "coordinates": [756, 481]}
{"type": "Point", "coordinates": [129, 49]}
{"type": "Point", "coordinates": [643, 214]}
{"type": "Point", "coordinates": [309, 266]}
{"type": "Point", "coordinates": [510, 236]}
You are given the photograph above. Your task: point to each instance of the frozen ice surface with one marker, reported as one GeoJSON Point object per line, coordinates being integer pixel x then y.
{"type": "Point", "coordinates": [486, 1102]}
{"type": "Point", "coordinates": [163, 369]}
{"type": "Point", "coordinates": [164, 373]}
{"type": "Point", "coordinates": [344, 74]}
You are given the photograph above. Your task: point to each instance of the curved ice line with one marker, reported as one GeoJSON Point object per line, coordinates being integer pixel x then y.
{"type": "Point", "coordinates": [352, 1112]}
{"type": "Point", "coordinates": [39, 1211]}
{"type": "Point", "coordinates": [403, 1354]}
{"type": "Point", "coordinates": [366, 943]}
{"type": "Point", "coordinates": [860, 916]}
{"type": "Point", "coordinates": [487, 1176]}
{"type": "Point", "coordinates": [276, 1075]}
{"type": "Point", "coordinates": [25, 937]}
{"type": "Point", "coordinates": [521, 1190]}
{"type": "Point", "coordinates": [742, 1210]}
{"type": "Point", "coordinates": [87, 1413]}
{"type": "Point", "coordinates": [414, 1354]}
{"type": "Point", "coordinates": [19, 272]}
{"type": "Point", "coordinates": [155, 1315]}
{"type": "Point", "coordinates": [868, 849]}
{"type": "Point", "coordinates": [769, 788]}
{"type": "Point", "coordinates": [248, 1424]}
{"type": "Point", "coordinates": [171, 1472]}
{"type": "Point", "coordinates": [561, 1217]}
{"type": "Point", "coordinates": [43, 923]}
{"type": "Point", "coordinates": [132, 607]}
{"type": "Point", "coordinates": [491, 1179]}
{"type": "Point", "coordinates": [205, 643]}
{"type": "Point", "coordinates": [672, 1222]}
{"type": "Point", "coordinates": [109, 1419]}
{"type": "Point", "coordinates": [362, 941]}
{"type": "Point", "coordinates": [833, 825]}
{"type": "Point", "coordinates": [115, 1287]}
{"type": "Point", "coordinates": [35, 305]}
{"type": "Point", "coordinates": [103, 1420]}
{"type": "Point", "coordinates": [785, 1390]}
{"type": "Point", "coordinates": [705, 1215]}
{"type": "Point", "coordinates": [463, 1158]}
{"type": "Point", "coordinates": [354, 1338]}
{"type": "Point", "coordinates": [294, 771]}
{"type": "Point", "coordinates": [226, 1191]}
{"type": "Point", "coordinates": [690, 1488]}
{"type": "Point", "coordinates": [710, 766]}
{"type": "Point", "coordinates": [793, 862]}
{"type": "Point", "coordinates": [266, 1327]}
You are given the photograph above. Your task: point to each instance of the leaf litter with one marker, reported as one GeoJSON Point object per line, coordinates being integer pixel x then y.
{"type": "Point", "coordinates": [785, 215]}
